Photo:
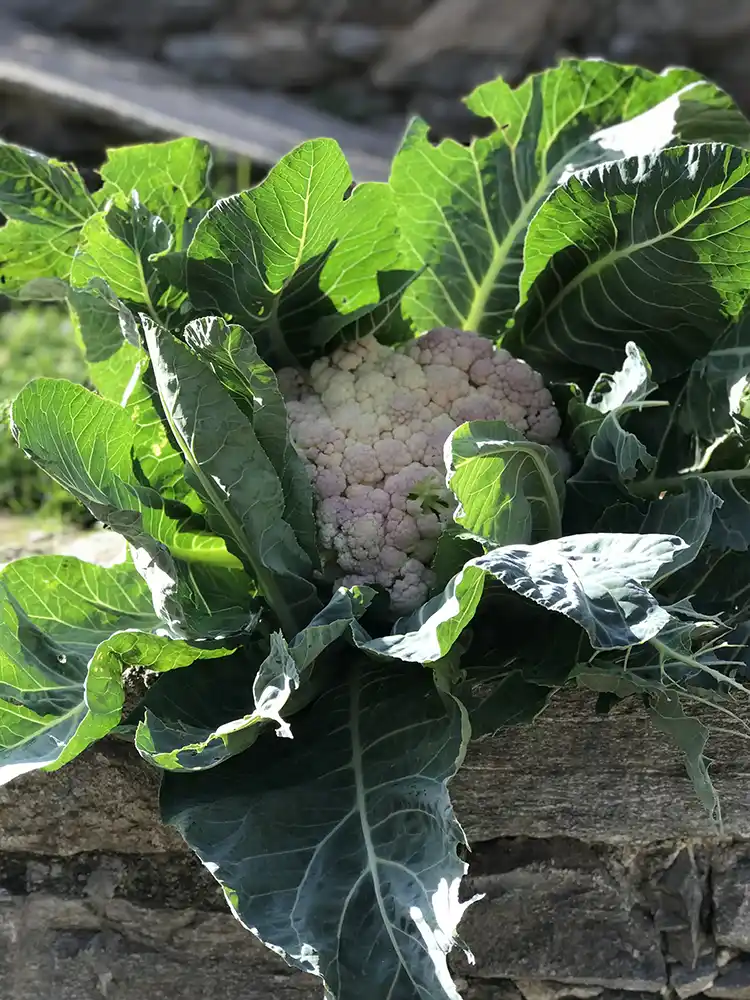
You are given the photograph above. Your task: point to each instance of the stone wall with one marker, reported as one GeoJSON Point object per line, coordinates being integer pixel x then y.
{"type": "Point", "coordinates": [602, 878]}
{"type": "Point", "coordinates": [377, 60]}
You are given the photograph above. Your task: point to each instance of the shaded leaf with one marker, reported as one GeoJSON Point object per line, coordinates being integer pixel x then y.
{"type": "Point", "coordinates": [368, 836]}
{"type": "Point", "coordinates": [229, 467]}
{"type": "Point", "coordinates": [232, 354]}
{"type": "Point", "coordinates": [194, 737]}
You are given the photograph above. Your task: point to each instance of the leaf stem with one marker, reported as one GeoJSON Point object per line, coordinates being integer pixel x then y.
{"type": "Point", "coordinates": [649, 487]}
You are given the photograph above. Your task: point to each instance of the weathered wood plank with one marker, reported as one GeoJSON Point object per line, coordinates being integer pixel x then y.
{"type": "Point", "coordinates": [144, 96]}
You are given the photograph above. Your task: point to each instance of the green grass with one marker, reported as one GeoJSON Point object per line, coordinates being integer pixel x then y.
{"type": "Point", "coordinates": [34, 341]}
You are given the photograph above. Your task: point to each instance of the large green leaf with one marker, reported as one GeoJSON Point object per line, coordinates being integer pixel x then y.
{"type": "Point", "coordinates": [357, 807]}
{"type": "Point", "coordinates": [68, 629]}
{"type": "Point", "coordinates": [508, 489]}
{"type": "Point", "coordinates": [171, 179]}
{"type": "Point", "coordinates": [46, 203]}
{"type": "Point", "coordinates": [227, 464]}
{"type": "Point", "coordinates": [86, 443]}
{"type": "Point", "coordinates": [647, 248]}
{"type": "Point", "coordinates": [464, 210]}
{"type": "Point", "coordinates": [688, 513]}
{"type": "Point", "coordinates": [598, 580]}
{"type": "Point", "coordinates": [187, 733]}
{"type": "Point", "coordinates": [294, 250]}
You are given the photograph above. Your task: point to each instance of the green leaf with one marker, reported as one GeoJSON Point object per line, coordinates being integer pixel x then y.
{"type": "Point", "coordinates": [647, 249]}
{"type": "Point", "coordinates": [464, 210]}
{"type": "Point", "coordinates": [508, 489]}
{"type": "Point", "coordinates": [228, 466]}
{"type": "Point", "coordinates": [36, 189]}
{"type": "Point", "coordinates": [107, 333]}
{"type": "Point", "coordinates": [691, 737]}
{"type": "Point", "coordinates": [170, 178]}
{"type": "Point", "coordinates": [369, 763]}
{"type": "Point", "coordinates": [30, 252]}
{"type": "Point", "coordinates": [597, 580]}
{"type": "Point", "coordinates": [667, 715]}
{"type": "Point", "coordinates": [68, 630]}
{"type": "Point", "coordinates": [430, 633]}
{"type": "Point", "coordinates": [117, 246]}
{"type": "Point", "coordinates": [194, 735]}
{"type": "Point", "coordinates": [688, 514]}
{"type": "Point", "coordinates": [46, 203]}
{"type": "Point", "coordinates": [495, 703]}
{"type": "Point", "coordinates": [624, 390]}
{"type": "Point", "coordinates": [85, 443]}
{"type": "Point", "coordinates": [293, 251]}
{"type": "Point", "coordinates": [234, 358]}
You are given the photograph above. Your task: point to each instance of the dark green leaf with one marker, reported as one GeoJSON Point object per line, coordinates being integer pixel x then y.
{"type": "Point", "coordinates": [357, 805]}
{"type": "Point", "coordinates": [193, 737]}
{"type": "Point", "coordinates": [624, 390]}
{"type": "Point", "coordinates": [597, 580]}
{"type": "Point", "coordinates": [710, 409]}
{"type": "Point", "coordinates": [232, 354]}
{"type": "Point", "coordinates": [689, 514]}
{"type": "Point", "coordinates": [494, 703]}
{"type": "Point", "coordinates": [227, 464]}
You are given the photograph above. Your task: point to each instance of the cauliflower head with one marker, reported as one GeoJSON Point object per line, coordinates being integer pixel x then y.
{"type": "Point", "coordinates": [371, 422]}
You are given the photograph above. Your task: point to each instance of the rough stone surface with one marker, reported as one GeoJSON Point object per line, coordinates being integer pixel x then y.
{"type": "Point", "coordinates": [98, 898]}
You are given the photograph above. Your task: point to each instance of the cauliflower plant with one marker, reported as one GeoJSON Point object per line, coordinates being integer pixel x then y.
{"type": "Point", "coordinates": [371, 422]}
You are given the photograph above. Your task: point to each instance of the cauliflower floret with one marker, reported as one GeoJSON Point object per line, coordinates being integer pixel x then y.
{"type": "Point", "coordinates": [372, 421]}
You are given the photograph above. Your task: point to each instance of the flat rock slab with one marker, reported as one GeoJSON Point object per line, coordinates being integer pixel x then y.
{"type": "Point", "coordinates": [147, 97]}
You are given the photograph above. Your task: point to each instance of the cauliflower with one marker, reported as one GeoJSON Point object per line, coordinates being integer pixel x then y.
{"type": "Point", "coordinates": [371, 423]}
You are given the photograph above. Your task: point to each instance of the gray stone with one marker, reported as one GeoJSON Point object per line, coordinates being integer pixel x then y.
{"type": "Point", "coordinates": [560, 912]}
{"type": "Point", "coordinates": [678, 891]}
{"type": "Point", "coordinates": [731, 894]}
{"type": "Point", "coordinates": [689, 982]}
{"type": "Point", "coordinates": [359, 43]}
{"type": "Point", "coordinates": [608, 779]}
{"type": "Point", "coordinates": [733, 983]}
{"type": "Point", "coordinates": [92, 17]}
{"type": "Point", "coordinates": [273, 55]}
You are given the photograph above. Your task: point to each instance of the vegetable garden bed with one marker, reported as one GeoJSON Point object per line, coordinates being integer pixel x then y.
{"type": "Point", "coordinates": [401, 543]}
